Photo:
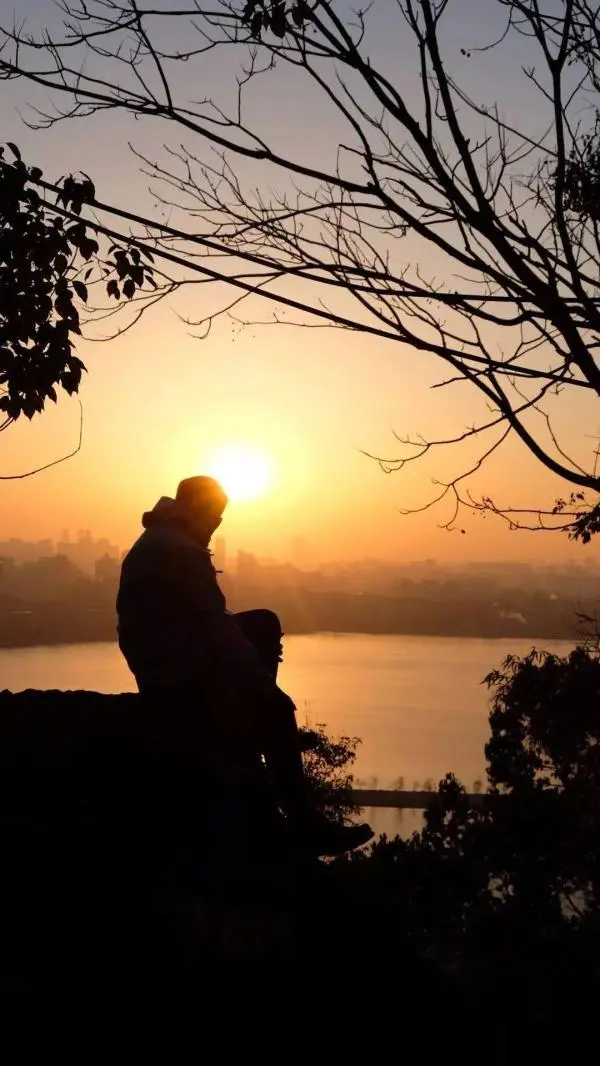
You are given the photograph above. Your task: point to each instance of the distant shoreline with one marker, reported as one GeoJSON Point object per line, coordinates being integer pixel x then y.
{"type": "Point", "coordinates": [512, 635]}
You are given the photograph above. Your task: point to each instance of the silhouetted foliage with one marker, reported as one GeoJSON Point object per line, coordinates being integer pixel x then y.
{"type": "Point", "coordinates": [582, 176]}
{"type": "Point", "coordinates": [278, 16]}
{"type": "Point", "coordinates": [48, 258]}
{"type": "Point", "coordinates": [513, 886]}
{"type": "Point", "coordinates": [37, 313]}
{"type": "Point", "coordinates": [586, 524]}
{"type": "Point", "coordinates": [328, 765]}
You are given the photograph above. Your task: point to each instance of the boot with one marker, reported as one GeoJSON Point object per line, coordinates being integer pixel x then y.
{"type": "Point", "coordinates": [313, 832]}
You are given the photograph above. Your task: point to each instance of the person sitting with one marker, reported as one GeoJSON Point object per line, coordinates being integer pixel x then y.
{"type": "Point", "coordinates": [210, 676]}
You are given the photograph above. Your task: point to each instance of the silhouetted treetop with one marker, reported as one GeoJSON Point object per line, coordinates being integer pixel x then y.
{"type": "Point", "coordinates": [49, 256]}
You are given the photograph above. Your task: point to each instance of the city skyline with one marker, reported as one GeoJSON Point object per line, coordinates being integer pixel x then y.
{"type": "Point", "coordinates": [83, 547]}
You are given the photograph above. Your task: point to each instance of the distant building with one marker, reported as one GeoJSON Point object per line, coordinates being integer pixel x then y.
{"type": "Point", "coordinates": [26, 551]}
{"type": "Point", "coordinates": [85, 551]}
{"type": "Point", "coordinates": [107, 570]}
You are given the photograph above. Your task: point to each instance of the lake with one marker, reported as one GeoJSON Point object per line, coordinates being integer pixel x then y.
{"type": "Point", "coordinates": [417, 703]}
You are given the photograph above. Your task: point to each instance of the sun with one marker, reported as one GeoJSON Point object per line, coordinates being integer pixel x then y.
{"type": "Point", "coordinates": [244, 472]}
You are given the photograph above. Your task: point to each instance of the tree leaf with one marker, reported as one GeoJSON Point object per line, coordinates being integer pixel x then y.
{"type": "Point", "coordinates": [278, 20]}
{"type": "Point", "coordinates": [89, 247]}
{"type": "Point", "coordinates": [81, 290]}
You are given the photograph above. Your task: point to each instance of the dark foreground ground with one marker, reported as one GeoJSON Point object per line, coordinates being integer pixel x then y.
{"type": "Point", "coordinates": [119, 903]}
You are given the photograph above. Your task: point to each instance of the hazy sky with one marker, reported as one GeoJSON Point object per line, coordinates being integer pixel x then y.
{"type": "Point", "coordinates": [156, 401]}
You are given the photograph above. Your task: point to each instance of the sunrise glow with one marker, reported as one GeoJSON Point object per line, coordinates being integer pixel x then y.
{"type": "Point", "coordinates": [244, 472]}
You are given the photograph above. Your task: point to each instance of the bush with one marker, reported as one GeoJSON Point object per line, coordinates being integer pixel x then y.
{"type": "Point", "coordinates": [328, 766]}
{"type": "Point", "coordinates": [507, 895]}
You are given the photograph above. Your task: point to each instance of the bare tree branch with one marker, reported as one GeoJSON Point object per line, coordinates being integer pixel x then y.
{"type": "Point", "coordinates": [418, 170]}
{"type": "Point", "coordinates": [53, 462]}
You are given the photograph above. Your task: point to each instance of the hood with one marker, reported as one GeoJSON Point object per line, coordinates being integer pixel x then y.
{"type": "Point", "coordinates": [166, 512]}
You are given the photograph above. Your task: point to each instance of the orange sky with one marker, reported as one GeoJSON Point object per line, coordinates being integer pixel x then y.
{"type": "Point", "coordinates": [156, 402]}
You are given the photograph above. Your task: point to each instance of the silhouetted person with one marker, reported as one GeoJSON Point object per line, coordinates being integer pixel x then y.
{"type": "Point", "coordinates": [211, 675]}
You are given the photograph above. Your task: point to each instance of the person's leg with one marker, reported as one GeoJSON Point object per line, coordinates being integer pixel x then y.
{"type": "Point", "coordinates": [281, 740]}
{"type": "Point", "coordinates": [262, 629]}
{"type": "Point", "coordinates": [282, 749]}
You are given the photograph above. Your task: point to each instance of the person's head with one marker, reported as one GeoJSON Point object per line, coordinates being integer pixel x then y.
{"type": "Point", "coordinates": [203, 501]}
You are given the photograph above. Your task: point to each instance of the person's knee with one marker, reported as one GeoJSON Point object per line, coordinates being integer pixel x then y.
{"type": "Point", "coordinates": [262, 628]}
{"type": "Point", "coordinates": [269, 624]}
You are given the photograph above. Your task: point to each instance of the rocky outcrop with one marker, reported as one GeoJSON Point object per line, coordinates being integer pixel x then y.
{"type": "Point", "coordinates": [80, 754]}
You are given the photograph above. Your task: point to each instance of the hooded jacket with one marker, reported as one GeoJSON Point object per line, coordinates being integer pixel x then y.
{"type": "Point", "coordinates": [174, 628]}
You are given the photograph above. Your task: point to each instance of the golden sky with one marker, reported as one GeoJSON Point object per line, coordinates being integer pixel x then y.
{"type": "Point", "coordinates": [157, 402]}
